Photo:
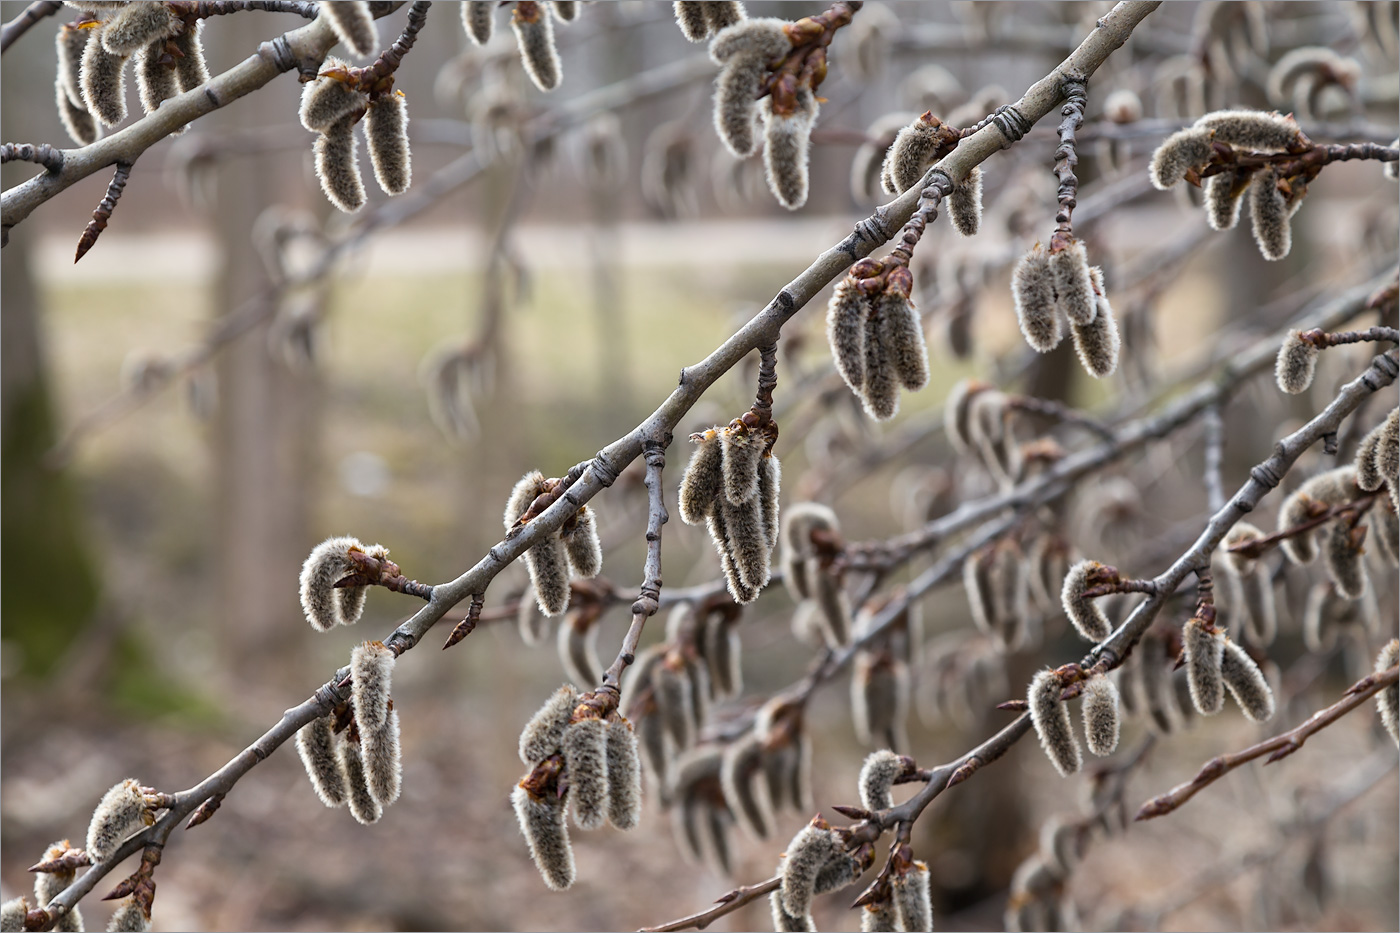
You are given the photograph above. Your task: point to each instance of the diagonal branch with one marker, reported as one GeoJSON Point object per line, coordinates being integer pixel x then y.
{"type": "Point", "coordinates": [18, 26]}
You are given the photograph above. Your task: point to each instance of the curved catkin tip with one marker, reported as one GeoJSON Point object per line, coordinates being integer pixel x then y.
{"type": "Point", "coordinates": [763, 39]}
{"type": "Point", "coordinates": [326, 100]}
{"type": "Point", "coordinates": [526, 489]}
{"type": "Point", "coordinates": [718, 524]}
{"type": "Point", "coordinates": [1297, 361]}
{"type": "Point", "coordinates": [1101, 718]}
{"type": "Point", "coordinates": [703, 479]}
{"type": "Point", "coordinates": [833, 605]}
{"type": "Point", "coordinates": [155, 81]}
{"type": "Point", "coordinates": [1180, 152]}
{"type": "Point", "coordinates": [913, 898]}
{"type": "Point", "coordinates": [386, 135]}
{"type": "Point", "coordinates": [1052, 724]}
{"type": "Point", "coordinates": [1203, 648]}
{"type": "Point", "coordinates": [12, 913]}
{"type": "Point", "coordinates": [338, 166]}
{"type": "Point", "coordinates": [880, 395]}
{"type": "Point", "coordinates": [1385, 531]}
{"type": "Point", "coordinates": [103, 80]}
{"type": "Point", "coordinates": [1223, 201]}
{"type": "Point", "coordinates": [1033, 290]}
{"type": "Point", "coordinates": [1343, 560]}
{"type": "Point", "coordinates": [1252, 129]}
{"type": "Point", "coordinates": [1388, 700]}
{"type": "Point", "coordinates": [624, 775]}
{"type": "Point", "coordinates": [879, 917]}
{"type": "Point", "coordinates": [586, 761]}
{"type": "Point", "coordinates": [910, 155]}
{"type": "Point", "coordinates": [786, 140]}
{"type": "Point", "coordinates": [547, 834]}
{"type": "Point", "coordinates": [845, 331]}
{"type": "Point", "coordinates": [745, 792]}
{"type": "Point", "coordinates": [543, 735]}
{"type": "Point", "coordinates": [690, 16]}
{"type": "Point", "coordinates": [877, 777]}
{"type": "Point", "coordinates": [745, 49]}
{"type": "Point", "coordinates": [977, 582]}
{"type": "Point", "coordinates": [77, 122]}
{"type": "Point", "coordinates": [965, 204]}
{"type": "Point", "coordinates": [191, 70]}
{"type": "Point", "coordinates": [137, 25]}
{"type": "Point", "coordinates": [675, 703]}
{"type": "Point", "coordinates": [478, 20]}
{"type": "Point", "coordinates": [533, 624]}
{"type": "Point", "coordinates": [127, 918]}
{"type": "Point", "coordinates": [383, 758]}
{"type": "Point", "coordinates": [120, 811]}
{"type": "Point", "coordinates": [1088, 619]}
{"type": "Point", "coordinates": [1073, 285]}
{"type": "Point", "coordinates": [70, 42]}
{"type": "Point", "coordinates": [770, 487]}
{"type": "Point", "coordinates": [316, 745]}
{"type": "Point", "coordinates": [957, 413]}
{"type": "Point", "coordinates": [548, 565]}
{"type": "Point", "coordinates": [839, 873]}
{"type": "Point", "coordinates": [723, 654]}
{"type": "Point", "coordinates": [1246, 683]}
{"type": "Point", "coordinates": [1269, 215]}
{"type": "Point", "coordinates": [902, 332]}
{"type": "Point", "coordinates": [1098, 343]}
{"type": "Point", "coordinates": [740, 452]}
{"type": "Point", "coordinates": [748, 542]}
{"type": "Point", "coordinates": [352, 24]}
{"type": "Point", "coordinates": [535, 36]}
{"type": "Point", "coordinates": [807, 855]}
{"type": "Point", "coordinates": [371, 671]}
{"type": "Point", "coordinates": [585, 551]}
{"type": "Point", "coordinates": [363, 807]}
{"type": "Point", "coordinates": [783, 922]}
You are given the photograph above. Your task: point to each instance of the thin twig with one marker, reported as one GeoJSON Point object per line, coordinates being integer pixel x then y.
{"type": "Point", "coordinates": [42, 154]}
{"type": "Point", "coordinates": [18, 26]}
{"type": "Point", "coordinates": [649, 594]}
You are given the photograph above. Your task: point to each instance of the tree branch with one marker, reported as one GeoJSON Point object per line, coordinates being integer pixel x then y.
{"type": "Point", "coordinates": [18, 26]}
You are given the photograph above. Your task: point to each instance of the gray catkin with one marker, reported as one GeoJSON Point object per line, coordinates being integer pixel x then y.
{"type": "Point", "coordinates": [371, 672]}
{"type": "Point", "coordinates": [1252, 129]}
{"type": "Point", "coordinates": [845, 331]}
{"type": "Point", "coordinates": [807, 854]}
{"type": "Point", "coordinates": [1385, 531]}
{"type": "Point", "coordinates": [1033, 290]}
{"type": "Point", "coordinates": [386, 136]}
{"type": "Point", "coordinates": [783, 922]}
{"type": "Point", "coordinates": [12, 914]}
{"type": "Point", "coordinates": [1101, 719]}
{"type": "Point", "coordinates": [363, 806]}
{"type": "Point", "coordinates": [1246, 683]}
{"type": "Point", "coordinates": [1343, 561]}
{"type": "Point", "coordinates": [1388, 700]}
{"type": "Point", "coordinates": [1052, 724]}
{"type": "Point", "coordinates": [965, 204]}
{"type": "Point", "coordinates": [744, 50]}
{"type": "Point", "coordinates": [338, 165]}
{"type": "Point", "coordinates": [770, 485]}
{"type": "Point", "coordinates": [723, 652]}
{"type": "Point", "coordinates": [748, 542]}
{"type": "Point", "coordinates": [675, 703]}
{"type": "Point", "coordinates": [1085, 614]}
{"type": "Point", "coordinates": [479, 20]}
{"type": "Point", "coordinates": [833, 605]}
{"type": "Point", "coordinates": [191, 71]}
{"type": "Point", "coordinates": [655, 749]}
{"type": "Point", "coordinates": [1388, 454]}
{"type": "Point", "coordinates": [316, 746]}
{"type": "Point", "coordinates": [909, 156]}
{"type": "Point", "coordinates": [586, 761]}
{"type": "Point", "coordinates": [1074, 287]}
{"type": "Point", "coordinates": [543, 735]}
{"type": "Point", "coordinates": [799, 522]}
{"type": "Point", "coordinates": [128, 918]}
{"type": "Point", "coordinates": [877, 777]}
{"type": "Point", "coordinates": [585, 551]}
{"type": "Point", "coordinates": [1368, 474]}
{"type": "Point", "coordinates": [624, 775]}
{"type": "Point", "coordinates": [717, 823]}
{"type": "Point", "coordinates": [382, 753]}
{"type": "Point", "coordinates": [880, 700]}
{"type": "Point", "coordinates": [77, 122]}
{"type": "Point", "coordinates": [1183, 150]}
{"type": "Point", "coordinates": [1155, 683]}
{"type": "Point", "coordinates": [137, 25]}
{"type": "Point", "coordinates": [537, 49]}
{"type": "Point", "coordinates": [1269, 213]}
{"type": "Point", "coordinates": [548, 566]}
{"type": "Point", "coordinates": [327, 99]}
{"type": "Point", "coordinates": [721, 14]}
{"type": "Point", "coordinates": [352, 24]}
{"type": "Point", "coordinates": [49, 884]}
{"type": "Point", "coordinates": [1059, 845]}
{"type": "Point", "coordinates": [957, 413]}
{"type": "Point", "coordinates": [547, 834]}
{"type": "Point", "coordinates": [1297, 361]}
{"type": "Point", "coordinates": [913, 898]}
{"type": "Point", "coordinates": [991, 433]}
{"type": "Point", "coordinates": [1330, 488]}
{"type": "Point", "coordinates": [902, 332]}
{"type": "Point", "coordinates": [350, 600]}
{"type": "Point", "coordinates": [1320, 618]}
{"type": "Point", "coordinates": [744, 791]}
{"type": "Point", "coordinates": [703, 480]}
{"type": "Point", "coordinates": [879, 917]}
{"type": "Point", "coordinates": [155, 81]}
{"type": "Point", "coordinates": [120, 811]}
{"type": "Point", "coordinates": [1222, 201]}
{"type": "Point", "coordinates": [741, 449]}
{"type": "Point", "coordinates": [786, 141]}
{"type": "Point", "coordinates": [839, 873]}
{"type": "Point", "coordinates": [977, 582]}
{"type": "Point", "coordinates": [741, 591]}
{"type": "Point", "coordinates": [103, 79]}
{"type": "Point", "coordinates": [880, 395]}
{"type": "Point", "coordinates": [1098, 343]}
{"type": "Point", "coordinates": [690, 16]}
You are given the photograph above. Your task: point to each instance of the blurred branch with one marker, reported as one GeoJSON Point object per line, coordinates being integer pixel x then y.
{"type": "Point", "coordinates": [18, 26]}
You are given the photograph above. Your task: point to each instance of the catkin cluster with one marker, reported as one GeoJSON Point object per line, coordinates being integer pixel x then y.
{"type": "Point", "coordinates": [534, 33]}
{"type": "Point", "coordinates": [914, 150]}
{"type": "Point", "coordinates": [811, 543]}
{"type": "Point", "coordinates": [59, 867]}
{"type": "Point", "coordinates": [1039, 898]}
{"type": "Point", "coordinates": [997, 581]}
{"type": "Point", "coordinates": [1147, 687]}
{"type": "Point", "coordinates": [353, 755]}
{"type": "Point", "coordinates": [877, 336]}
{"type": "Point", "coordinates": [817, 860]}
{"type": "Point", "coordinates": [1057, 290]}
{"type": "Point", "coordinates": [1215, 664]}
{"type": "Point", "coordinates": [1211, 143]}
{"type": "Point", "coordinates": [331, 105]}
{"type": "Point", "coordinates": [731, 484]}
{"type": "Point", "coordinates": [962, 679]}
{"type": "Point", "coordinates": [324, 604]}
{"type": "Point", "coordinates": [880, 675]}
{"type": "Point", "coordinates": [582, 762]}
{"type": "Point", "coordinates": [767, 768]}
{"type": "Point", "coordinates": [700, 21]}
{"type": "Point", "coordinates": [1051, 718]}
{"type": "Point", "coordinates": [573, 549]}
{"type": "Point", "coordinates": [980, 420]}
{"type": "Point", "coordinates": [1249, 589]}
{"type": "Point", "coordinates": [668, 695]}
{"type": "Point", "coordinates": [1312, 81]}
{"type": "Point", "coordinates": [1342, 537]}
{"type": "Point", "coordinates": [1377, 465]}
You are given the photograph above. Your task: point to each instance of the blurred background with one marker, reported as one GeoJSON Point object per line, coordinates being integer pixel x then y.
{"type": "Point", "coordinates": [237, 370]}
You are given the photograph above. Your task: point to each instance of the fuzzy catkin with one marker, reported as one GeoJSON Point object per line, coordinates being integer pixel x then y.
{"type": "Point", "coordinates": [783, 922]}
{"type": "Point", "coordinates": [363, 806]}
{"type": "Point", "coordinates": [352, 24]}
{"type": "Point", "coordinates": [1246, 683]}
{"type": "Point", "coordinates": [721, 14]}
{"type": "Point", "coordinates": [957, 413]}
{"type": "Point", "coordinates": [748, 543]}
{"type": "Point", "coordinates": [690, 16]}
{"type": "Point", "coordinates": [383, 761]}
{"type": "Point", "coordinates": [624, 775]}
{"type": "Point", "coordinates": [1033, 290]}
{"type": "Point", "coordinates": [371, 671]}
{"type": "Point", "coordinates": [128, 918]}
{"type": "Point", "coordinates": [770, 485]}
{"type": "Point", "coordinates": [1368, 474]}
{"type": "Point", "coordinates": [877, 777]}
{"type": "Point", "coordinates": [328, 99]}
{"type": "Point", "coordinates": [1297, 361]}
{"type": "Point", "coordinates": [1388, 700]}
{"type": "Point", "coordinates": [155, 80]}
{"type": "Point", "coordinates": [585, 749]}
{"type": "Point", "coordinates": [478, 19]}
{"type": "Point", "coordinates": [386, 136]}
{"type": "Point", "coordinates": [121, 810]}
{"type": "Point", "coordinates": [1101, 719]}
{"type": "Point", "coordinates": [12, 914]}
{"type": "Point", "coordinates": [910, 155]}
{"type": "Point", "coordinates": [548, 565]}
{"type": "Point", "coordinates": [723, 652]}
{"type": "Point", "coordinates": [1269, 213]}
{"type": "Point", "coordinates": [1343, 561]}
{"type": "Point", "coordinates": [845, 331]}
{"type": "Point", "coordinates": [1088, 619]}
{"type": "Point", "coordinates": [338, 165]}
{"type": "Point", "coordinates": [584, 550]}
{"type": "Point", "coordinates": [880, 395]}
{"type": "Point", "coordinates": [535, 37]}
{"type": "Point", "coordinates": [137, 25]}
{"type": "Point", "coordinates": [902, 332]}
{"type": "Point", "coordinates": [103, 78]}
{"type": "Point", "coordinates": [1073, 285]}
{"type": "Point", "coordinates": [1223, 201]}
{"type": "Point", "coordinates": [316, 746]}
{"type": "Point", "coordinates": [745, 794]}
{"type": "Point", "coordinates": [1387, 454]}
{"type": "Point", "coordinates": [717, 524]}
{"type": "Point", "coordinates": [50, 884]}
{"type": "Point", "coordinates": [350, 600]}
{"type": "Point", "coordinates": [807, 854]}
{"type": "Point", "coordinates": [546, 832]}
{"type": "Point", "coordinates": [786, 140]}
{"type": "Point", "coordinates": [741, 451]}
{"type": "Point", "coordinates": [744, 51]}
{"type": "Point", "coordinates": [191, 70]}
{"type": "Point", "coordinates": [543, 735]}
{"type": "Point", "coordinates": [703, 479]}
{"type": "Point", "coordinates": [1180, 152]}
{"type": "Point", "coordinates": [1098, 343]}
{"type": "Point", "coordinates": [1325, 489]}
{"type": "Point", "coordinates": [1252, 129]}
{"type": "Point", "coordinates": [1052, 723]}
{"type": "Point", "coordinates": [533, 624]}
{"type": "Point", "coordinates": [965, 204]}
{"type": "Point", "coordinates": [879, 917]}
{"type": "Point", "coordinates": [913, 898]}
{"type": "Point", "coordinates": [77, 122]}
{"type": "Point", "coordinates": [880, 700]}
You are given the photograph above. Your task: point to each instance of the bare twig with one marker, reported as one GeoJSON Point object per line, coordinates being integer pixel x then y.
{"type": "Point", "coordinates": [649, 594]}
{"type": "Point", "coordinates": [727, 904]}
{"type": "Point", "coordinates": [103, 214]}
{"type": "Point", "coordinates": [42, 154]}
{"type": "Point", "coordinates": [18, 26]}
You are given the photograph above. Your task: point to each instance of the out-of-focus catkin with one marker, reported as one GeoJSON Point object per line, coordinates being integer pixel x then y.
{"type": "Point", "coordinates": [478, 18]}
{"type": "Point", "coordinates": [128, 918]}
{"type": "Point", "coordinates": [1388, 700]}
{"type": "Point", "coordinates": [352, 24]}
